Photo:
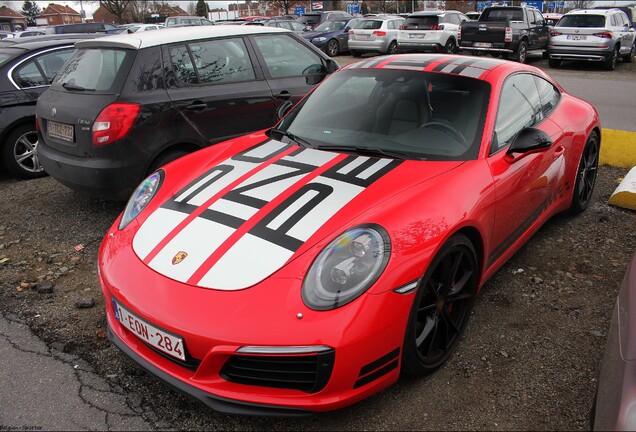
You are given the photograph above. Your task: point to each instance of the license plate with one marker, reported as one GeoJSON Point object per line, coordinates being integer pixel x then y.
{"type": "Point", "coordinates": [160, 339]}
{"type": "Point", "coordinates": [577, 37]}
{"type": "Point", "coordinates": [363, 36]}
{"type": "Point", "coordinates": [61, 131]}
{"type": "Point", "coordinates": [417, 35]}
{"type": "Point", "coordinates": [483, 44]}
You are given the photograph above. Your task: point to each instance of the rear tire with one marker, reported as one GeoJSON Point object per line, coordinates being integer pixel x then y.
{"type": "Point", "coordinates": [610, 63]}
{"type": "Point", "coordinates": [356, 53]}
{"type": "Point", "coordinates": [451, 46]}
{"type": "Point", "coordinates": [586, 175]}
{"type": "Point", "coordinates": [393, 48]}
{"type": "Point", "coordinates": [165, 158]}
{"type": "Point", "coordinates": [554, 63]}
{"type": "Point", "coordinates": [630, 57]}
{"type": "Point", "coordinates": [19, 153]}
{"type": "Point", "coordinates": [522, 52]}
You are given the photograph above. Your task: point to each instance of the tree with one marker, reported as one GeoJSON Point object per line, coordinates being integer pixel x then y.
{"type": "Point", "coordinates": [202, 9]}
{"type": "Point", "coordinates": [282, 5]}
{"type": "Point", "coordinates": [116, 7]}
{"type": "Point", "coordinates": [31, 10]}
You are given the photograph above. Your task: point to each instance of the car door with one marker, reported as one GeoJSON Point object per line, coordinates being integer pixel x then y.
{"type": "Point", "coordinates": [34, 75]}
{"type": "Point", "coordinates": [288, 64]}
{"type": "Point", "coordinates": [625, 31]}
{"type": "Point", "coordinates": [538, 31]}
{"type": "Point", "coordinates": [216, 87]}
{"type": "Point", "coordinates": [526, 184]}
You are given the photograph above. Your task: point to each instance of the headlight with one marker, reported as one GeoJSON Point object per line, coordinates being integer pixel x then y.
{"type": "Point", "coordinates": [140, 198]}
{"type": "Point", "coordinates": [320, 39]}
{"type": "Point", "coordinates": [346, 268]}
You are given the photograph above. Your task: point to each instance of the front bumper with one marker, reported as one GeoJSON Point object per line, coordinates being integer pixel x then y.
{"type": "Point", "coordinates": [366, 335]}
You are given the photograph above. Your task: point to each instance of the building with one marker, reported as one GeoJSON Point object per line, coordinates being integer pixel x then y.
{"type": "Point", "coordinates": [55, 14]}
{"type": "Point", "coordinates": [10, 20]}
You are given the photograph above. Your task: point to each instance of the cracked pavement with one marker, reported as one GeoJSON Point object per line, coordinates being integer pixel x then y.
{"type": "Point", "coordinates": [45, 389]}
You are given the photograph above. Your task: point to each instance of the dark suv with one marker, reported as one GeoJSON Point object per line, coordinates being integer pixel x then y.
{"type": "Point", "coordinates": [124, 105]}
{"type": "Point", "coordinates": [27, 67]}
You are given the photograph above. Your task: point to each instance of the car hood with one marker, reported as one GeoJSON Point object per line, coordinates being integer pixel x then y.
{"type": "Point", "coordinates": [230, 225]}
{"type": "Point", "coordinates": [312, 34]}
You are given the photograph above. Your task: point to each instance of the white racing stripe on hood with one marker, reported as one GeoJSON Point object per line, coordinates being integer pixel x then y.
{"type": "Point", "coordinates": [156, 227]}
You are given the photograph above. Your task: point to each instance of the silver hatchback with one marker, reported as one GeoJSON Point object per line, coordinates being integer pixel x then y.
{"type": "Point", "coordinates": [592, 35]}
{"type": "Point", "coordinates": [377, 34]}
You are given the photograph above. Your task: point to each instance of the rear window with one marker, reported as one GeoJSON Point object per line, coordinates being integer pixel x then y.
{"type": "Point", "coordinates": [369, 25]}
{"type": "Point", "coordinates": [582, 21]}
{"type": "Point", "coordinates": [309, 19]}
{"type": "Point", "coordinates": [502, 15]}
{"type": "Point", "coordinates": [421, 23]}
{"type": "Point", "coordinates": [6, 55]}
{"type": "Point", "coordinates": [95, 69]}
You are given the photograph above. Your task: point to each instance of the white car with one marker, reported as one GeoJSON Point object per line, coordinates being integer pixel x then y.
{"type": "Point", "coordinates": [377, 34]}
{"type": "Point", "coordinates": [431, 31]}
{"type": "Point", "coordinates": [142, 27]}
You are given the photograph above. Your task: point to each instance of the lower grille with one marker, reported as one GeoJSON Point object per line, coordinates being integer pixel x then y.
{"type": "Point", "coordinates": [307, 373]}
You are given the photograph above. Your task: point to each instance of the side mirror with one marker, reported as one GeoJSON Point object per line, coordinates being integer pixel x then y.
{"type": "Point", "coordinates": [284, 109]}
{"type": "Point", "coordinates": [528, 140]}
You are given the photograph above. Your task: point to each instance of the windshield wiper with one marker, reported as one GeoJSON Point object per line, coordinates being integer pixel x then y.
{"type": "Point", "coordinates": [68, 86]}
{"type": "Point", "coordinates": [279, 133]}
{"type": "Point", "coordinates": [367, 151]}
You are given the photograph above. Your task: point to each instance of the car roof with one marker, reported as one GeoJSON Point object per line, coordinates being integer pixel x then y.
{"type": "Point", "coordinates": [45, 41]}
{"type": "Point", "coordinates": [593, 11]}
{"type": "Point", "coordinates": [175, 35]}
{"type": "Point", "coordinates": [431, 13]}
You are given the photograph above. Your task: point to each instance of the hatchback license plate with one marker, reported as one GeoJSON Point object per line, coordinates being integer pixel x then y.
{"type": "Point", "coordinates": [577, 37]}
{"type": "Point", "coordinates": [61, 131]}
{"type": "Point", "coordinates": [483, 45]}
{"type": "Point", "coordinates": [160, 339]}
{"type": "Point", "coordinates": [417, 35]}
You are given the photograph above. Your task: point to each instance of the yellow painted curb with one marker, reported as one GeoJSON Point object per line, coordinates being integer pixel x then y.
{"type": "Point", "coordinates": [618, 148]}
{"type": "Point", "coordinates": [625, 194]}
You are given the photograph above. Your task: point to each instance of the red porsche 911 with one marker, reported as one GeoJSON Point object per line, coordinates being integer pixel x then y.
{"type": "Point", "coordinates": [303, 268]}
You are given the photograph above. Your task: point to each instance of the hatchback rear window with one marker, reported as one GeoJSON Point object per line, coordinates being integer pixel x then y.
{"type": "Point", "coordinates": [582, 21]}
{"type": "Point", "coordinates": [95, 69]}
{"type": "Point", "coordinates": [369, 25]}
{"type": "Point", "coordinates": [421, 23]}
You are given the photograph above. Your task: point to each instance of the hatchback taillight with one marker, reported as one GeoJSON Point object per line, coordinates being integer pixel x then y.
{"type": "Point", "coordinates": [508, 35]}
{"type": "Point", "coordinates": [437, 27]}
{"type": "Point", "coordinates": [379, 33]}
{"type": "Point", "coordinates": [114, 122]}
{"type": "Point", "coordinates": [604, 35]}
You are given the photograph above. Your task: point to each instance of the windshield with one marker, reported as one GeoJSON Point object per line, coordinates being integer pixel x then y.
{"type": "Point", "coordinates": [328, 26]}
{"type": "Point", "coordinates": [591, 21]}
{"type": "Point", "coordinates": [95, 69]}
{"type": "Point", "coordinates": [398, 113]}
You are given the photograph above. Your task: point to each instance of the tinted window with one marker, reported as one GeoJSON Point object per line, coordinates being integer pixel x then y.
{"type": "Point", "coordinates": [171, 21]}
{"type": "Point", "coordinates": [286, 57]}
{"type": "Point", "coordinates": [331, 26]}
{"type": "Point", "coordinates": [582, 21]}
{"type": "Point", "coordinates": [42, 69]}
{"type": "Point", "coordinates": [309, 19]}
{"type": "Point", "coordinates": [96, 69]}
{"type": "Point", "coordinates": [29, 75]}
{"type": "Point", "coordinates": [548, 94]}
{"type": "Point", "coordinates": [421, 23]}
{"type": "Point", "coordinates": [222, 61]}
{"type": "Point", "coordinates": [519, 107]}
{"type": "Point", "coordinates": [502, 15]}
{"type": "Point", "coordinates": [369, 25]}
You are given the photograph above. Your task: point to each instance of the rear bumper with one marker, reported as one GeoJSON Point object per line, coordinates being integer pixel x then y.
{"type": "Point", "coordinates": [586, 54]}
{"type": "Point", "coordinates": [110, 179]}
{"type": "Point", "coordinates": [369, 46]}
{"type": "Point", "coordinates": [419, 47]}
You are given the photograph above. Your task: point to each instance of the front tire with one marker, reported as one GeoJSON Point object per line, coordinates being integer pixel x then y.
{"type": "Point", "coordinates": [333, 48]}
{"type": "Point", "coordinates": [586, 175]}
{"type": "Point", "coordinates": [19, 153]}
{"type": "Point", "coordinates": [442, 306]}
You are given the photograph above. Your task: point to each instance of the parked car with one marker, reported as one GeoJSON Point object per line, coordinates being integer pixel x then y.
{"type": "Point", "coordinates": [315, 18]}
{"type": "Point", "coordinates": [94, 27]}
{"type": "Point", "coordinates": [127, 104]}
{"type": "Point", "coordinates": [332, 36]}
{"type": "Point", "coordinates": [598, 35]}
{"type": "Point", "coordinates": [27, 66]}
{"type": "Point", "coordinates": [431, 31]}
{"type": "Point", "coordinates": [303, 268]}
{"type": "Point", "coordinates": [6, 34]}
{"type": "Point", "coordinates": [630, 11]}
{"type": "Point", "coordinates": [141, 27]}
{"type": "Point", "coordinates": [280, 23]}
{"type": "Point", "coordinates": [616, 394]}
{"type": "Point", "coordinates": [507, 31]}
{"type": "Point", "coordinates": [377, 34]}
{"type": "Point", "coordinates": [552, 19]}
{"type": "Point", "coordinates": [28, 33]}
{"type": "Point", "coordinates": [187, 21]}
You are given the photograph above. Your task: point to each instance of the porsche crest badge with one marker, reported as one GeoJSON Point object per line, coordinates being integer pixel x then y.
{"type": "Point", "coordinates": [180, 256]}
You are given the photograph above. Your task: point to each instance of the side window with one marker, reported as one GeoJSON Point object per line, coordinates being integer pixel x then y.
{"type": "Point", "coordinates": [29, 75]}
{"type": "Point", "coordinates": [285, 57]}
{"type": "Point", "coordinates": [171, 21]}
{"type": "Point", "coordinates": [519, 107]}
{"type": "Point", "coordinates": [539, 18]}
{"type": "Point", "coordinates": [613, 21]}
{"type": "Point", "coordinates": [532, 16]}
{"type": "Point", "coordinates": [52, 62]}
{"type": "Point", "coordinates": [548, 95]}
{"type": "Point", "coordinates": [216, 61]}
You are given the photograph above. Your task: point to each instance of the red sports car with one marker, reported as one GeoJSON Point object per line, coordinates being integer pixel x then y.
{"type": "Point", "coordinates": [302, 268]}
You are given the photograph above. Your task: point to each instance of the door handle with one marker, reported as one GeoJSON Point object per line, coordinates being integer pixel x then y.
{"type": "Point", "coordinates": [285, 95]}
{"type": "Point", "coordinates": [197, 106]}
{"type": "Point", "coordinates": [559, 151]}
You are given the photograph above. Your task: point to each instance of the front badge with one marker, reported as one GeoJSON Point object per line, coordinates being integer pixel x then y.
{"type": "Point", "coordinates": [180, 256]}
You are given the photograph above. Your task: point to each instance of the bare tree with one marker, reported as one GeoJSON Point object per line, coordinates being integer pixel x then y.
{"type": "Point", "coordinates": [116, 7]}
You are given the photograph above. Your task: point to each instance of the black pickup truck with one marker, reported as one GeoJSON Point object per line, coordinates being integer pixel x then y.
{"type": "Point", "coordinates": [509, 31]}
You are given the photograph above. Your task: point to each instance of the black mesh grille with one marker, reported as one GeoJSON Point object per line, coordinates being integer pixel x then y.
{"type": "Point", "coordinates": [308, 373]}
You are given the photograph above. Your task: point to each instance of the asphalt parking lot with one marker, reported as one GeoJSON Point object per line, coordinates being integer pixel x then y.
{"type": "Point", "coordinates": [529, 359]}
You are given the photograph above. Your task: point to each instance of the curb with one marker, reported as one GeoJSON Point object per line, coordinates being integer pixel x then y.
{"type": "Point", "coordinates": [618, 148]}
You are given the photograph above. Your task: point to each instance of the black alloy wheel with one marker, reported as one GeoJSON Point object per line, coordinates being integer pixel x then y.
{"type": "Point", "coordinates": [586, 175]}
{"type": "Point", "coordinates": [19, 153]}
{"type": "Point", "coordinates": [393, 48]}
{"type": "Point", "coordinates": [333, 48]}
{"type": "Point", "coordinates": [442, 307]}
